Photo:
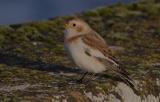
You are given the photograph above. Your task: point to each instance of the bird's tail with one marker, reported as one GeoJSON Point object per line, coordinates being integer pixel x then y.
{"type": "Point", "coordinates": [124, 76]}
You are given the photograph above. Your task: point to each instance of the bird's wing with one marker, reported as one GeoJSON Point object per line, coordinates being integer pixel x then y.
{"type": "Point", "coordinates": [97, 47]}
{"type": "Point", "coordinates": [109, 63]}
{"type": "Point", "coordinates": [95, 41]}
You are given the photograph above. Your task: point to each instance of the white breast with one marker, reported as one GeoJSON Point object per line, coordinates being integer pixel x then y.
{"type": "Point", "coordinates": [76, 51]}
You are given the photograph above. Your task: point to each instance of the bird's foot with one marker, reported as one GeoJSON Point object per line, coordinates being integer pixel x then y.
{"type": "Point", "coordinates": [79, 81]}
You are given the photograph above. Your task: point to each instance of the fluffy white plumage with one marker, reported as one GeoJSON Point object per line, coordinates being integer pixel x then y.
{"type": "Point", "coordinates": [76, 51]}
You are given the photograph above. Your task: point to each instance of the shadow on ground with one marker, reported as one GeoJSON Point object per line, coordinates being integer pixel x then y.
{"type": "Point", "coordinates": [20, 61]}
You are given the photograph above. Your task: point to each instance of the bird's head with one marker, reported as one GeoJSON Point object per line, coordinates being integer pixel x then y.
{"type": "Point", "coordinates": [77, 27]}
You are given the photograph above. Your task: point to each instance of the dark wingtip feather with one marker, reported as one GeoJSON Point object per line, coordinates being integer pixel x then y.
{"type": "Point", "coordinates": [129, 82]}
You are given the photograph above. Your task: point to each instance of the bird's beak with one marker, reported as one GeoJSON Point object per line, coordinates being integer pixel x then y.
{"type": "Point", "coordinates": [66, 26]}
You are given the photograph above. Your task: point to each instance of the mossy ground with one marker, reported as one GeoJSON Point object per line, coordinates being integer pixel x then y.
{"type": "Point", "coordinates": [34, 65]}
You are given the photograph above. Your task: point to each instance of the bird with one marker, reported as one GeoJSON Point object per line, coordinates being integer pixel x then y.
{"type": "Point", "coordinates": [90, 52]}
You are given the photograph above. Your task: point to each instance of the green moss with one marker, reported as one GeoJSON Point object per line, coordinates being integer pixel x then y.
{"type": "Point", "coordinates": [105, 12]}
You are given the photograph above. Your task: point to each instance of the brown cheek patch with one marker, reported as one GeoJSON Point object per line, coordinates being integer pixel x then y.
{"type": "Point", "coordinates": [79, 29]}
{"type": "Point", "coordinates": [74, 38]}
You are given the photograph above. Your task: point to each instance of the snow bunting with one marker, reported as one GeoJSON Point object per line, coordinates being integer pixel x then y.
{"type": "Point", "coordinates": [89, 51]}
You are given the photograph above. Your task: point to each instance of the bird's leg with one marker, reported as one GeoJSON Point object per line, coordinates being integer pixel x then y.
{"type": "Point", "coordinates": [92, 76]}
{"type": "Point", "coordinates": [83, 76]}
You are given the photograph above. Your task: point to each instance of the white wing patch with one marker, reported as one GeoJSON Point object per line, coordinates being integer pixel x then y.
{"type": "Point", "coordinates": [99, 55]}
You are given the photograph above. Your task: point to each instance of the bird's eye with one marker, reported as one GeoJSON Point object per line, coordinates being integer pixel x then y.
{"type": "Point", "coordinates": [74, 24]}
